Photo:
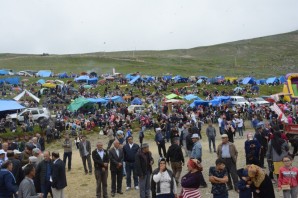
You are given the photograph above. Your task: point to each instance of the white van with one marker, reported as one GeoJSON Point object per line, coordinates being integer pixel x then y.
{"type": "Point", "coordinates": [135, 108]}
{"type": "Point", "coordinates": [238, 100]}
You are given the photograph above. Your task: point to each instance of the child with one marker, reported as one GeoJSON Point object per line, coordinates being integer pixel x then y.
{"type": "Point", "coordinates": [288, 178]}
{"type": "Point", "coordinates": [218, 177]}
{"type": "Point", "coordinates": [244, 184]}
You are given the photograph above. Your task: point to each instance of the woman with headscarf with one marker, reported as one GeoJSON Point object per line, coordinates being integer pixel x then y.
{"type": "Point", "coordinates": [261, 183]}
{"type": "Point", "coordinates": [163, 184]}
{"type": "Point", "coordinates": [190, 182]}
{"type": "Point", "coordinates": [277, 149]}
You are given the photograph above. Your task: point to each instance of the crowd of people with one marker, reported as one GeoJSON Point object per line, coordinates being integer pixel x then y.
{"type": "Point", "coordinates": [28, 169]}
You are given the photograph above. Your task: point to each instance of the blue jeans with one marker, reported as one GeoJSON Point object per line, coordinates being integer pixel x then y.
{"type": "Point", "coordinates": [145, 187]}
{"type": "Point", "coordinates": [46, 188]}
{"type": "Point", "coordinates": [130, 168]}
{"type": "Point", "coordinates": [240, 130]}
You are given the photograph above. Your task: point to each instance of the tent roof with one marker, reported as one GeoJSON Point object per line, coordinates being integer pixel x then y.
{"type": "Point", "coordinates": [134, 79]}
{"type": "Point", "coordinates": [97, 100]}
{"type": "Point", "coordinates": [77, 103]}
{"type": "Point", "coordinates": [18, 97]}
{"type": "Point", "coordinates": [41, 81]}
{"type": "Point", "coordinates": [191, 97]}
{"type": "Point", "coordinates": [3, 72]}
{"type": "Point", "coordinates": [247, 80]}
{"type": "Point", "coordinates": [136, 101]}
{"type": "Point", "coordinates": [271, 80]}
{"type": "Point", "coordinates": [44, 73]}
{"type": "Point", "coordinates": [171, 96]}
{"type": "Point", "coordinates": [6, 105]}
{"type": "Point", "coordinates": [116, 99]}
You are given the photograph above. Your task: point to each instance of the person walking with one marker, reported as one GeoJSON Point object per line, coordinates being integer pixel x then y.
{"type": "Point", "coordinates": [101, 161]}
{"type": "Point", "coordinates": [43, 174]}
{"type": "Point", "coordinates": [228, 153]}
{"type": "Point", "coordinates": [58, 176]}
{"type": "Point", "coordinates": [129, 151]}
{"type": "Point", "coordinates": [160, 141]}
{"type": "Point", "coordinates": [143, 168]}
{"type": "Point", "coordinates": [176, 159]}
{"type": "Point", "coordinates": [116, 167]}
{"type": "Point", "coordinates": [85, 152]}
{"type": "Point", "coordinates": [211, 134]}
{"type": "Point", "coordinates": [67, 146]}
{"type": "Point", "coordinates": [8, 185]}
{"type": "Point", "coordinates": [27, 188]}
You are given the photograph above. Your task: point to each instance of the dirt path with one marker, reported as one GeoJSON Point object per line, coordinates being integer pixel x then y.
{"type": "Point", "coordinates": [81, 185]}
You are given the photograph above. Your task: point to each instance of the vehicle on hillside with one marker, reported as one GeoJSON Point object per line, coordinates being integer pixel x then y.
{"type": "Point", "coordinates": [238, 100]}
{"type": "Point", "coordinates": [136, 108]}
{"type": "Point", "coordinates": [259, 101]}
{"type": "Point", "coordinates": [38, 114]}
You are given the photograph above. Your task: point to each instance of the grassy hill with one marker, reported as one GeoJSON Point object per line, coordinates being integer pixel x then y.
{"type": "Point", "coordinates": [260, 57]}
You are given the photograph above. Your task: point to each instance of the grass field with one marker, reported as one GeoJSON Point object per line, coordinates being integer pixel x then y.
{"type": "Point", "coordinates": [259, 57]}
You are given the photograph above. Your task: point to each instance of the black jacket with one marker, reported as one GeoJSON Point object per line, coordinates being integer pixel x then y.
{"type": "Point", "coordinates": [142, 163]}
{"type": "Point", "coordinates": [98, 162]}
{"type": "Point", "coordinates": [114, 159]}
{"type": "Point", "coordinates": [17, 170]}
{"type": "Point", "coordinates": [175, 154]}
{"type": "Point", "coordinates": [58, 175]}
{"type": "Point", "coordinates": [41, 171]}
{"type": "Point", "coordinates": [155, 187]}
{"type": "Point", "coordinates": [130, 153]}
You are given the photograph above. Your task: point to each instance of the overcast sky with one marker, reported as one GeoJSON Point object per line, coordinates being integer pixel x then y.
{"type": "Point", "coordinates": [80, 26]}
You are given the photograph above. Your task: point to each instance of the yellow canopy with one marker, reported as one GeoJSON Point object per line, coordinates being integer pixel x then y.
{"type": "Point", "coordinates": [49, 85]}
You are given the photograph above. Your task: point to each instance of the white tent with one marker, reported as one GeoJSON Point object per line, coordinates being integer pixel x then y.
{"type": "Point", "coordinates": [18, 97]}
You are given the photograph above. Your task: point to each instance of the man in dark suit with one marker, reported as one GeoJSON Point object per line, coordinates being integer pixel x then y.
{"type": "Point", "coordinates": [116, 167]}
{"type": "Point", "coordinates": [58, 176]}
{"type": "Point", "coordinates": [43, 174]}
{"type": "Point", "coordinates": [85, 152]}
{"type": "Point", "coordinates": [27, 188]}
{"type": "Point", "coordinates": [101, 161]}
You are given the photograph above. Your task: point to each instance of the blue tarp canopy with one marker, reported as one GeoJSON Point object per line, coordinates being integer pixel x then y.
{"type": "Point", "coordinates": [12, 80]}
{"type": "Point", "coordinates": [92, 80]}
{"type": "Point", "coordinates": [271, 80]}
{"type": "Point", "coordinates": [148, 79]}
{"type": "Point", "coordinates": [63, 75]}
{"type": "Point", "coordinates": [282, 79]}
{"type": "Point", "coordinates": [223, 99]}
{"type": "Point", "coordinates": [41, 81]}
{"type": "Point", "coordinates": [200, 81]}
{"type": "Point", "coordinates": [82, 78]}
{"type": "Point", "coordinates": [7, 105]}
{"type": "Point", "coordinates": [3, 72]}
{"type": "Point", "coordinates": [199, 102]}
{"type": "Point", "coordinates": [248, 80]}
{"type": "Point", "coordinates": [191, 97]}
{"type": "Point", "coordinates": [134, 79]}
{"type": "Point", "coordinates": [44, 73]}
{"type": "Point", "coordinates": [136, 101]}
{"type": "Point", "coordinates": [97, 100]}
{"type": "Point", "coordinates": [116, 99]}
{"type": "Point", "coordinates": [215, 102]}
{"type": "Point", "coordinates": [129, 76]}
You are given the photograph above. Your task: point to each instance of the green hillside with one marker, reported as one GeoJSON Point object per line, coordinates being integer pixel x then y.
{"type": "Point", "coordinates": [260, 57]}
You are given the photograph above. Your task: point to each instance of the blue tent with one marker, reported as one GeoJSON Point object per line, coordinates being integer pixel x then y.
{"type": "Point", "coordinates": [3, 72]}
{"type": "Point", "coordinates": [7, 105]}
{"type": "Point", "coordinates": [136, 101]}
{"type": "Point", "coordinates": [12, 80]}
{"type": "Point", "coordinates": [82, 79]}
{"type": "Point", "coordinates": [97, 100]}
{"type": "Point", "coordinates": [215, 102]}
{"type": "Point", "coordinates": [271, 80]}
{"type": "Point", "coordinates": [200, 81]}
{"type": "Point", "coordinates": [199, 102]}
{"type": "Point", "coordinates": [148, 79]}
{"type": "Point", "coordinates": [282, 79]}
{"type": "Point", "coordinates": [134, 79]}
{"type": "Point", "coordinates": [41, 81]}
{"type": "Point", "coordinates": [44, 73]}
{"type": "Point", "coordinates": [116, 99]}
{"type": "Point", "coordinates": [92, 80]}
{"type": "Point", "coordinates": [167, 77]}
{"type": "Point", "coordinates": [223, 99]}
{"type": "Point", "coordinates": [191, 97]}
{"type": "Point", "coordinates": [261, 81]}
{"type": "Point", "coordinates": [248, 80]}
{"type": "Point", "coordinates": [63, 75]}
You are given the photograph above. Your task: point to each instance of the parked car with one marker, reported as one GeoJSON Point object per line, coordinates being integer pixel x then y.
{"type": "Point", "coordinates": [238, 100]}
{"type": "Point", "coordinates": [136, 108]}
{"type": "Point", "coordinates": [259, 101]}
{"type": "Point", "coordinates": [38, 114]}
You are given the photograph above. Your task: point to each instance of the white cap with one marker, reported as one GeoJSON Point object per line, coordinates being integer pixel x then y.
{"type": "Point", "coordinates": [16, 151]}
{"type": "Point", "coordinates": [195, 135]}
{"type": "Point", "coordinates": [2, 151]}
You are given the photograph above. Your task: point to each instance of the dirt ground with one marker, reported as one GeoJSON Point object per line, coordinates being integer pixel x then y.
{"type": "Point", "coordinates": [81, 185]}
